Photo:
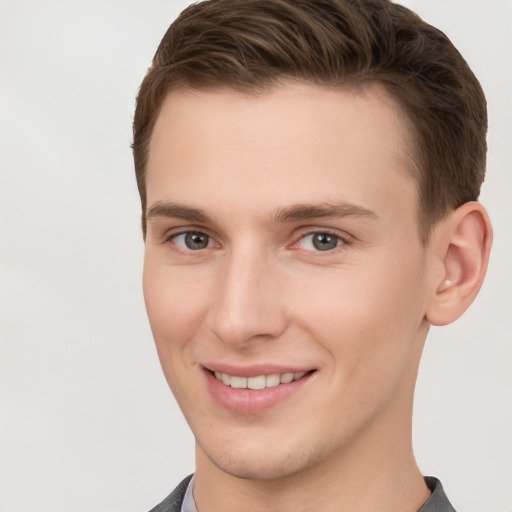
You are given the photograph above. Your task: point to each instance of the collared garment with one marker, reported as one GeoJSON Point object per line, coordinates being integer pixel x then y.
{"type": "Point", "coordinates": [189, 504]}
{"type": "Point", "coordinates": [182, 498]}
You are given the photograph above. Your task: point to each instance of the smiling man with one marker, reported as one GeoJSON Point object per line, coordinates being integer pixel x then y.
{"type": "Point", "coordinates": [309, 174]}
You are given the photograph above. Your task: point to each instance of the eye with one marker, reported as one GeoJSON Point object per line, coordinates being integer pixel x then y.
{"type": "Point", "coordinates": [192, 240]}
{"type": "Point", "coordinates": [320, 241]}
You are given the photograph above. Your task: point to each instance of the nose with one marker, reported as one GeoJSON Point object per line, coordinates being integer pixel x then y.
{"type": "Point", "coordinates": [249, 302]}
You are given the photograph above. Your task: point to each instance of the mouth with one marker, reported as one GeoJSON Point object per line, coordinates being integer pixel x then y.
{"type": "Point", "coordinates": [259, 381]}
{"type": "Point", "coordinates": [257, 389]}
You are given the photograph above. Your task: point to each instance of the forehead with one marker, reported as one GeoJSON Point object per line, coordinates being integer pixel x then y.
{"type": "Point", "coordinates": [295, 142]}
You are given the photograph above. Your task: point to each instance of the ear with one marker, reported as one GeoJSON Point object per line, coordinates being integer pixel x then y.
{"type": "Point", "coordinates": [462, 243]}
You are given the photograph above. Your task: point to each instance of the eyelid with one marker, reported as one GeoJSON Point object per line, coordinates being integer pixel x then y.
{"type": "Point", "coordinates": [182, 245]}
{"type": "Point", "coordinates": [173, 233]}
{"type": "Point", "coordinates": [180, 230]}
{"type": "Point", "coordinates": [305, 232]}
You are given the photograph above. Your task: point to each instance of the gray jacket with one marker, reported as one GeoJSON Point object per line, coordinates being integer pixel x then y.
{"type": "Point", "coordinates": [438, 502]}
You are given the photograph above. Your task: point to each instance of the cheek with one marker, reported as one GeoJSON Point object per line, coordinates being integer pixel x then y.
{"type": "Point", "coordinates": [175, 301]}
{"type": "Point", "coordinates": [367, 320]}
{"type": "Point", "coordinates": [174, 306]}
{"type": "Point", "coordinates": [372, 338]}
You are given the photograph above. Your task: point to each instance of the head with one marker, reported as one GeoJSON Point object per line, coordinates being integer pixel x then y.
{"type": "Point", "coordinates": [250, 46]}
{"type": "Point", "coordinates": [308, 171]}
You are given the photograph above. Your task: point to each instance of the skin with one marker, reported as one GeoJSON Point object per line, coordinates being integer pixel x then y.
{"type": "Point", "coordinates": [242, 169]}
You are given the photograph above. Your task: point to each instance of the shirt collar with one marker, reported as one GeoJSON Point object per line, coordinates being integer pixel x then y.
{"type": "Point", "coordinates": [189, 504]}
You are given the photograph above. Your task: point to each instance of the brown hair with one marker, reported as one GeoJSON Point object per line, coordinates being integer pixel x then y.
{"type": "Point", "coordinates": [250, 45]}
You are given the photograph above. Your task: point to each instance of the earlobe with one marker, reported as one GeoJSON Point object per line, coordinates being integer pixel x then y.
{"type": "Point", "coordinates": [463, 244]}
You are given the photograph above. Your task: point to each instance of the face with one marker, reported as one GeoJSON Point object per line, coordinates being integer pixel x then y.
{"type": "Point", "coordinates": [284, 276]}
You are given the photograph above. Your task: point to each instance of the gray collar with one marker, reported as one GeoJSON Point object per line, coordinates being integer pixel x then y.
{"type": "Point", "coordinates": [438, 502]}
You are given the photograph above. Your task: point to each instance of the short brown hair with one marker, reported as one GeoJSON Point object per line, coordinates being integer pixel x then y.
{"type": "Point", "coordinates": [250, 45]}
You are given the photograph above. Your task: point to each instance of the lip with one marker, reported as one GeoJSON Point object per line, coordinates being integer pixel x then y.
{"type": "Point", "coordinates": [252, 401]}
{"type": "Point", "coordinates": [254, 370]}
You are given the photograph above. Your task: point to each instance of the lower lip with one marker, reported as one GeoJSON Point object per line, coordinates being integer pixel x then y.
{"type": "Point", "coordinates": [252, 401]}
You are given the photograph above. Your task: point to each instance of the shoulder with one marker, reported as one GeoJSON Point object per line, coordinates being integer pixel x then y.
{"type": "Point", "coordinates": [173, 502]}
{"type": "Point", "coordinates": [438, 501]}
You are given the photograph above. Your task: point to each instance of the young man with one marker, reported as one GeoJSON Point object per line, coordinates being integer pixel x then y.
{"type": "Point", "coordinates": [309, 174]}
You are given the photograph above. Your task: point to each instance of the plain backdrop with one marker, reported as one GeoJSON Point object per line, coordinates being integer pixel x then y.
{"type": "Point", "coordinates": [87, 421]}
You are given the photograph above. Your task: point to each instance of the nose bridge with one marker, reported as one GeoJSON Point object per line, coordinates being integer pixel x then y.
{"type": "Point", "coordinates": [248, 304]}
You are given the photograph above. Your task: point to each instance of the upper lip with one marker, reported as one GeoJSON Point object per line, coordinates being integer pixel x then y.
{"type": "Point", "coordinates": [254, 370]}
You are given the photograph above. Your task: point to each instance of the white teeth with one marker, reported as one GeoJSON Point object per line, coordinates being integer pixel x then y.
{"type": "Point", "coordinates": [286, 378]}
{"type": "Point", "coordinates": [260, 381]}
{"type": "Point", "coordinates": [238, 382]}
{"type": "Point", "coordinates": [272, 380]}
{"type": "Point", "coordinates": [256, 382]}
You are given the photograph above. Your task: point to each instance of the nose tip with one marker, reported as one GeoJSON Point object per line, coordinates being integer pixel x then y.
{"type": "Point", "coordinates": [248, 304]}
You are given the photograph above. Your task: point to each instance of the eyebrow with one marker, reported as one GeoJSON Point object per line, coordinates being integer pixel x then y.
{"type": "Point", "coordinates": [321, 211]}
{"type": "Point", "coordinates": [176, 211]}
{"type": "Point", "coordinates": [286, 214]}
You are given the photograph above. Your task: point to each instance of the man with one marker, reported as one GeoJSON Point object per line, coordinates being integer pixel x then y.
{"type": "Point", "coordinates": [309, 174]}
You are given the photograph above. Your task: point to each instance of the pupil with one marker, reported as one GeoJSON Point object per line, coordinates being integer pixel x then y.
{"type": "Point", "coordinates": [196, 241]}
{"type": "Point", "coordinates": [324, 241]}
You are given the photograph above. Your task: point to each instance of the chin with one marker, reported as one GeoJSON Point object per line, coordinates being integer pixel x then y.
{"type": "Point", "coordinates": [251, 470]}
{"type": "Point", "coordinates": [258, 464]}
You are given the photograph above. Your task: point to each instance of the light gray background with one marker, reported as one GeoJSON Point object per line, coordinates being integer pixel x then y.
{"type": "Point", "coordinates": [87, 421]}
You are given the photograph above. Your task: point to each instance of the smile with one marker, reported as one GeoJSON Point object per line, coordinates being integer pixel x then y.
{"type": "Point", "coordinates": [253, 390]}
{"type": "Point", "coordinates": [260, 381]}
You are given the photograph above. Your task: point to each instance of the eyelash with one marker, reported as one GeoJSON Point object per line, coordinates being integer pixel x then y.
{"type": "Point", "coordinates": [341, 240]}
{"type": "Point", "coordinates": [172, 240]}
